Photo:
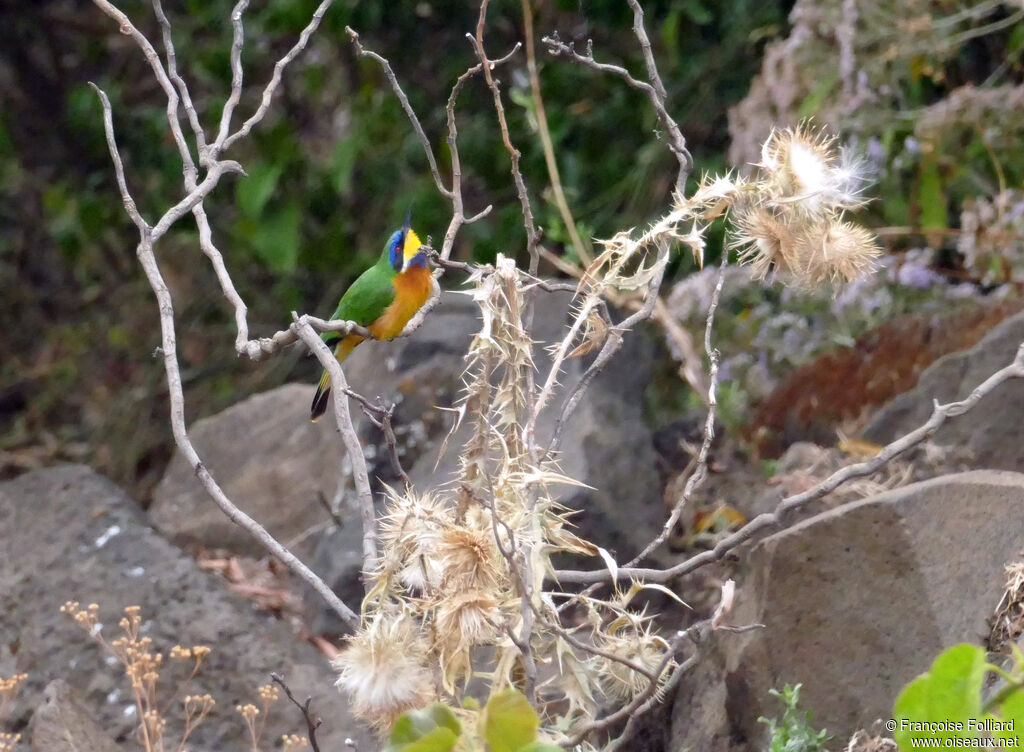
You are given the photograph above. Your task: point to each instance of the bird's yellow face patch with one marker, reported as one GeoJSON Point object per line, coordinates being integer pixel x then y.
{"type": "Point", "coordinates": [412, 244]}
{"type": "Point", "coordinates": [411, 253]}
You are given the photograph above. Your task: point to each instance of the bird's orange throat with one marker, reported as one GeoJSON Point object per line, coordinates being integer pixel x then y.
{"type": "Point", "coordinates": [412, 290]}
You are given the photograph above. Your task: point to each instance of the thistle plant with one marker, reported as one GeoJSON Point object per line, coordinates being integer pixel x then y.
{"type": "Point", "coordinates": [468, 566]}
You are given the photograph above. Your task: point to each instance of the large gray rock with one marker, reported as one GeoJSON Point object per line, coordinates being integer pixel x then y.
{"type": "Point", "coordinates": [606, 443]}
{"type": "Point", "coordinates": [69, 534]}
{"type": "Point", "coordinates": [271, 461]}
{"type": "Point", "coordinates": [855, 603]}
{"type": "Point", "coordinates": [993, 431]}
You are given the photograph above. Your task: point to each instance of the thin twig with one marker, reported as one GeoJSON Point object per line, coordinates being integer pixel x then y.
{"type": "Point", "coordinates": [653, 88]}
{"type": "Point", "coordinates": [409, 111]}
{"type": "Point", "coordinates": [275, 79]}
{"type": "Point", "coordinates": [343, 416]}
{"type": "Point", "coordinates": [172, 72]}
{"type": "Point", "coordinates": [770, 521]}
{"type": "Point", "coordinates": [532, 236]}
{"type": "Point", "coordinates": [545, 139]}
{"type": "Point", "coordinates": [311, 725]}
{"type": "Point", "coordinates": [699, 473]}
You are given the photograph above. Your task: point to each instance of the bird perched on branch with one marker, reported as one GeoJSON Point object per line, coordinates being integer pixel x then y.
{"type": "Point", "coordinates": [382, 299]}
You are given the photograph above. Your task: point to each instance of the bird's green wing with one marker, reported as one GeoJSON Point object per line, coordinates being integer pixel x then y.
{"type": "Point", "coordinates": [366, 300]}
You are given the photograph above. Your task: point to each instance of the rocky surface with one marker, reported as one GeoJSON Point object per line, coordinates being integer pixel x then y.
{"type": "Point", "coordinates": [991, 432]}
{"type": "Point", "coordinates": [69, 534]}
{"type": "Point", "coordinates": [270, 460]}
{"type": "Point", "coordinates": [62, 723]}
{"type": "Point", "coordinates": [855, 603]}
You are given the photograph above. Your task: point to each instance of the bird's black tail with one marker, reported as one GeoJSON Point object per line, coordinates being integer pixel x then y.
{"type": "Point", "coordinates": [320, 399]}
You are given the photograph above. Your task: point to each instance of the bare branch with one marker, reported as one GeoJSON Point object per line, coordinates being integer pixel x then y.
{"type": "Point", "coordinates": [532, 236]}
{"type": "Point", "coordinates": [311, 725]}
{"type": "Point", "coordinates": [404, 101]}
{"type": "Point", "coordinates": [348, 434]}
{"type": "Point", "coordinates": [700, 472]}
{"type": "Point", "coordinates": [126, 27]}
{"type": "Point", "coordinates": [147, 237]}
{"type": "Point", "coordinates": [770, 521]}
{"type": "Point", "coordinates": [237, 40]}
{"type": "Point", "coordinates": [275, 79]}
{"type": "Point", "coordinates": [172, 73]}
{"type": "Point", "coordinates": [108, 125]}
{"type": "Point", "coordinates": [653, 88]}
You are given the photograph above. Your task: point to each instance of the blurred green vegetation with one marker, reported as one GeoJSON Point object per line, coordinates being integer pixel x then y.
{"type": "Point", "coordinates": [331, 170]}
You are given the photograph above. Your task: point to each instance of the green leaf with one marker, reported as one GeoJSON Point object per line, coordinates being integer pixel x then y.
{"type": "Point", "coordinates": [931, 197]}
{"type": "Point", "coordinates": [437, 740]}
{"type": "Point", "coordinates": [540, 747]}
{"type": "Point", "coordinates": [253, 191]}
{"type": "Point", "coordinates": [276, 240]}
{"type": "Point", "coordinates": [510, 722]}
{"type": "Point", "coordinates": [950, 692]}
{"type": "Point", "coordinates": [417, 724]}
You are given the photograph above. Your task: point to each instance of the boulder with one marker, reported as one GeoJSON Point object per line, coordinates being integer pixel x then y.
{"type": "Point", "coordinates": [67, 533]}
{"type": "Point", "coordinates": [606, 443]}
{"type": "Point", "coordinates": [993, 433]}
{"type": "Point", "coordinates": [271, 461]}
{"type": "Point", "coordinates": [855, 603]}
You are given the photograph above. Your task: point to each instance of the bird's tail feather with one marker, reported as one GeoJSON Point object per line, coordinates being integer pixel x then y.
{"type": "Point", "coordinates": [323, 390]}
{"type": "Point", "coordinates": [323, 394]}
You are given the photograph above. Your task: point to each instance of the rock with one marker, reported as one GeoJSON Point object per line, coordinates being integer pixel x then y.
{"type": "Point", "coordinates": [69, 534]}
{"type": "Point", "coordinates": [270, 460]}
{"type": "Point", "coordinates": [606, 443]}
{"type": "Point", "coordinates": [845, 385]}
{"type": "Point", "coordinates": [857, 601]}
{"type": "Point", "coordinates": [62, 723]}
{"type": "Point", "coordinates": [994, 434]}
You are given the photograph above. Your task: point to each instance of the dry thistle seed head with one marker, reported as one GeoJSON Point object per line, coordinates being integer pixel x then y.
{"type": "Point", "coordinates": [835, 251]}
{"type": "Point", "coordinates": [802, 169]}
{"type": "Point", "coordinates": [410, 529]}
{"type": "Point", "coordinates": [465, 619]}
{"type": "Point", "coordinates": [619, 681]}
{"type": "Point", "coordinates": [468, 559]}
{"type": "Point", "coordinates": [383, 670]}
{"type": "Point", "coordinates": [798, 165]}
{"type": "Point", "coordinates": [765, 240]}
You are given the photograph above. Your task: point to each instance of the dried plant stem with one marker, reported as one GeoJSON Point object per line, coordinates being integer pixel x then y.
{"type": "Point", "coordinates": [771, 521]}
{"type": "Point", "coordinates": [700, 470]}
{"type": "Point", "coordinates": [311, 725]}
{"type": "Point", "coordinates": [532, 236]}
{"type": "Point", "coordinates": [653, 87]}
{"type": "Point", "coordinates": [545, 139]}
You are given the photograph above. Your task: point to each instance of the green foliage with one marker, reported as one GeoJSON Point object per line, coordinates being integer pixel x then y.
{"type": "Point", "coordinates": [946, 702]}
{"type": "Point", "coordinates": [508, 723]}
{"type": "Point", "coordinates": [432, 729]}
{"type": "Point", "coordinates": [793, 733]}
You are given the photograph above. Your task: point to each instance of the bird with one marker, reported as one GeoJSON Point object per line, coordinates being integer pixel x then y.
{"type": "Point", "coordinates": [382, 299]}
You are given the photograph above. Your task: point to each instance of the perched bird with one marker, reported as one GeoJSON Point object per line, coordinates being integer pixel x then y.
{"type": "Point", "coordinates": [382, 299]}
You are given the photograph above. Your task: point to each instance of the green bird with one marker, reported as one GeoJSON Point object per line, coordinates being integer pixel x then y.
{"type": "Point", "coordinates": [382, 299]}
